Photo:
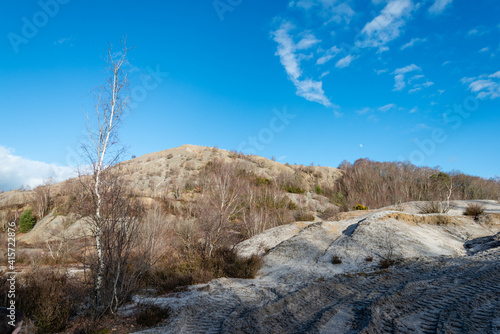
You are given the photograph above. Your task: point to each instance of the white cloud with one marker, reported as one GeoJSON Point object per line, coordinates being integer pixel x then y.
{"type": "Point", "coordinates": [413, 110]}
{"type": "Point", "coordinates": [485, 86]}
{"type": "Point", "coordinates": [388, 25]}
{"type": "Point", "coordinates": [413, 41]}
{"type": "Point", "coordinates": [415, 82]}
{"type": "Point", "coordinates": [329, 54]}
{"type": "Point", "coordinates": [399, 82]}
{"type": "Point", "coordinates": [418, 87]}
{"type": "Point", "coordinates": [439, 6]}
{"type": "Point", "coordinates": [379, 72]}
{"type": "Point", "coordinates": [312, 91]}
{"type": "Point", "coordinates": [329, 10]}
{"type": "Point", "coordinates": [344, 62]}
{"type": "Point", "coordinates": [16, 171]}
{"type": "Point", "coordinates": [363, 111]}
{"type": "Point", "coordinates": [286, 51]}
{"type": "Point", "coordinates": [407, 69]}
{"type": "Point", "coordinates": [290, 59]}
{"type": "Point", "coordinates": [485, 49]}
{"type": "Point", "coordinates": [387, 107]}
{"type": "Point", "coordinates": [495, 75]}
{"type": "Point", "coordinates": [477, 31]}
{"type": "Point", "coordinates": [307, 41]}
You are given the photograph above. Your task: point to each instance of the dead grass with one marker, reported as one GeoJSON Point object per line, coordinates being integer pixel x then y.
{"type": "Point", "coordinates": [415, 220]}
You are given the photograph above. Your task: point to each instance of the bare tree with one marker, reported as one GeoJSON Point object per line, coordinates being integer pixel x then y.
{"type": "Point", "coordinates": [218, 204]}
{"type": "Point", "coordinates": [43, 198]}
{"type": "Point", "coordinates": [114, 218]}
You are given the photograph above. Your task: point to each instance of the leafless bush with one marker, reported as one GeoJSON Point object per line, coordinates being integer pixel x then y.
{"type": "Point", "coordinates": [219, 204]}
{"type": "Point", "coordinates": [474, 210]}
{"type": "Point", "coordinates": [43, 199]}
{"type": "Point", "coordinates": [49, 298]}
{"type": "Point", "coordinates": [379, 184]}
{"type": "Point", "coordinates": [433, 207]}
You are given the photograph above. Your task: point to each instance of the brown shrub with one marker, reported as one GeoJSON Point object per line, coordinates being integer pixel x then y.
{"type": "Point", "coordinates": [176, 274]}
{"type": "Point", "coordinates": [474, 210]}
{"type": "Point", "coordinates": [385, 263]}
{"type": "Point", "coordinates": [151, 315]}
{"type": "Point", "coordinates": [49, 298]}
{"type": "Point", "coordinates": [432, 207]}
{"type": "Point", "coordinates": [336, 259]}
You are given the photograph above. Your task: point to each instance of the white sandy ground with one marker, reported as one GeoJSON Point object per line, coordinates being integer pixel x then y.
{"type": "Point", "coordinates": [299, 254]}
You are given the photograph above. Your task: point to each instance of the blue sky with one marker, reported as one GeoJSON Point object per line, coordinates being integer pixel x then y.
{"type": "Point", "coordinates": [308, 81]}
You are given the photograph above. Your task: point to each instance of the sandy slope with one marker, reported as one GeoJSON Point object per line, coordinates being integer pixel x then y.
{"type": "Point", "coordinates": [436, 287]}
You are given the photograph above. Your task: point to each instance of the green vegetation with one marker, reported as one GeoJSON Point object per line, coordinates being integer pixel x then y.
{"type": "Point", "coordinates": [26, 221]}
{"type": "Point", "coordinates": [294, 189]}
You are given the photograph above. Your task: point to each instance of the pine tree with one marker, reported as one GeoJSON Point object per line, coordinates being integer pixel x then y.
{"type": "Point", "coordinates": [26, 221]}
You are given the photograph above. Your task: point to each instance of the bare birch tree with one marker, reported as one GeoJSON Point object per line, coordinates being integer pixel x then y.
{"type": "Point", "coordinates": [43, 198]}
{"type": "Point", "coordinates": [219, 202]}
{"type": "Point", "coordinates": [102, 151]}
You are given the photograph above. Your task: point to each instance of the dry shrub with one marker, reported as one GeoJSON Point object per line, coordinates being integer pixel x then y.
{"type": "Point", "coordinates": [330, 214]}
{"type": "Point", "coordinates": [176, 274]}
{"type": "Point", "coordinates": [380, 184]}
{"type": "Point", "coordinates": [386, 263]}
{"type": "Point", "coordinates": [151, 315]}
{"type": "Point", "coordinates": [226, 263]}
{"type": "Point", "coordinates": [49, 298]}
{"type": "Point", "coordinates": [433, 207]}
{"type": "Point", "coordinates": [336, 259]}
{"type": "Point", "coordinates": [440, 220]}
{"type": "Point", "coordinates": [474, 210]}
{"type": "Point", "coordinates": [304, 215]}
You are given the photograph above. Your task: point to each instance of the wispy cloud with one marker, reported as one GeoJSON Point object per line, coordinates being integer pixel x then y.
{"type": "Point", "coordinates": [65, 41]}
{"type": "Point", "coordinates": [346, 61]}
{"type": "Point", "coordinates": [413, 42]}
{"type": "Point", "coordinates": [484, 86]}
{"type": "Point", "coordinates": [439, 6]}
{"type": "Point", "coordinates": [16, 171]}
{"type": "Point", "coordinates": [387, 107]}
{"type": "Point", "coordinates": [329, 54]}
{"type": "Point", "coordinates": [407, 69]}
{"type": "Point", "coordinates": [288, 51]}
{"type": "Point", "coordinates": [330, 11]}
{"type": "Point", "coordinates": [485, 49]}
{"type": "Point", "coordinates": [363, 111]}
{"type": "Point", "coordinates": [387, 26]}
{"type": "Point", "coordinates": [416, 81]}
{"type": "Point", "coordinates": [477, 31]}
